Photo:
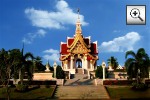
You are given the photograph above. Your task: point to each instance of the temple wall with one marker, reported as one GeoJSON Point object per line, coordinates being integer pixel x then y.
{"type": "Point", "coordinates": [42, 76]}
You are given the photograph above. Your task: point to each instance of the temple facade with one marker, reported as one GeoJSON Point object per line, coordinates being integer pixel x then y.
{"type": "Point", "coordinates": [78, 54]}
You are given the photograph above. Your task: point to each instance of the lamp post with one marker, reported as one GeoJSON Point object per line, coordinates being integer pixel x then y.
{"type": "Point", "coordinates": [55, 66]}
{"type": "Point", "coordinates": [103, 66]}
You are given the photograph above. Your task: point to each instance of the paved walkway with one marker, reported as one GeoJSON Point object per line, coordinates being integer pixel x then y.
{"type": "Point", "coordinates": [81, 92]}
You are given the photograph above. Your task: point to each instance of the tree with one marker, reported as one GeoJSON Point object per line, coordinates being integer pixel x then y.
{"type": "Point", "coordinates": [99, 72]}
{"type": "Point", "coordinates": [27, 65]}
{"type": "Point", "coordinates": [112, 62]}
{"type": "Point", "coordinates": [137, 64]}
{"type": "Point", "coordinates": [59, 73]}
{"type": "Point", "coordinates": [9, 64]}
{"type": "Point", "coordinates": [38, 64]}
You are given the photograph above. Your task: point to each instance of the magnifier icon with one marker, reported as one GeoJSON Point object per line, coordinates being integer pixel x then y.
{"type": "Point", "coordinates": [135, 13]}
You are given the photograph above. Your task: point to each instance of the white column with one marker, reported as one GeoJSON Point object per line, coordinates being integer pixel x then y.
{"type": "Point", "coordinates": [66, 66]}
{"type": "Point", "coordinates": [55, 66]}
{"type": "Point", "coordinates": [91, 64]}
{"type": "Point", "coordinates": [103, 65]}
{"type": "Point", "coordinates": [83, 63]}
{"type": "Point", "coordinates": [86, 63]}
{"type": "Point", "coordinates": [103, 73]}
{"type": "Point", "coordinates": [71, 63]}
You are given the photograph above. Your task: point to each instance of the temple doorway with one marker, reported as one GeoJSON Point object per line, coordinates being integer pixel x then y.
{"type": "Point", "coordinates": [78, 63]}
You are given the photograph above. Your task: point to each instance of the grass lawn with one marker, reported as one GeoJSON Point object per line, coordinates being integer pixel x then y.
{"type": "Point", "coordinates": [126, 93]}
{"type": "Point", "coordinates": [39, 93]}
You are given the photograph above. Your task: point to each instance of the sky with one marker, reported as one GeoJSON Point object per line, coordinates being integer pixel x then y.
{"type": "Point", "coordinates": [42, 24]}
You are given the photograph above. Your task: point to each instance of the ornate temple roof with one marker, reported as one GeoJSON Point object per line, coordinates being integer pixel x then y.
{"type": "Point", "coordinates": [78, 45]}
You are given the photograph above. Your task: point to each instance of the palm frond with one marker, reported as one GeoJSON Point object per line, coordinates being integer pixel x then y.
{"type": "Point", "coordinates": [130, 53]}
{"type": "Point", "coordinates": [28, 55]}
{"type": "Point", "coordinates": [129, 61]}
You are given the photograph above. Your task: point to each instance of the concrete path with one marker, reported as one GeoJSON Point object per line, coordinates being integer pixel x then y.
{"type": "Point", "coordinates": [81, 92]}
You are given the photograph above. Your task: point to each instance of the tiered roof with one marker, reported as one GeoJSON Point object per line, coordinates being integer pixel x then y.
{"type": "Point", "coordinates": [78, 45]}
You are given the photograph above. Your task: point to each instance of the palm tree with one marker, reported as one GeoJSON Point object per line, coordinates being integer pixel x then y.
{"type": "Point", "coordinates": [112, 62]}
{"type": "Point", "coordinates": [38, 64]}
{"type": "Point", "coordinates": [27, 65]}
{"type": "Point", "coordinates": [137, 65]}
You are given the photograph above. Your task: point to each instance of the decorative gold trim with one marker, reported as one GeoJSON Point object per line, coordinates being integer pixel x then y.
{"type": "Point", "coordinates": [78, 46]}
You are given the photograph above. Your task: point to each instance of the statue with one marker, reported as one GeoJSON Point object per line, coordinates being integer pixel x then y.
{"type": "Point", "coordinates": [110, 67]}
{"type": "Point", "coordinates": [47, 67]}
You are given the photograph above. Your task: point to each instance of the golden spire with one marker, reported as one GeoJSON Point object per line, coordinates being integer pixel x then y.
{"type": "Point", "coordinates": [78, 24]}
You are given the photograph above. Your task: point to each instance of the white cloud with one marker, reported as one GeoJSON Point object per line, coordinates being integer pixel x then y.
{"type": "Point", "coordinates": [63, 15]}
{"type": "Point", "coordinates": [51, 51]}
{"type": "Point", "coordinates": [52, 55]}
{"type": "Point", "coordinates": [121, 44]}
{"type": "Point", "coordinates": [29, 38]}
{"type": "Point", "coordinates": [41, 32]}
{"type": "Point", "coordinates": [26, 41]}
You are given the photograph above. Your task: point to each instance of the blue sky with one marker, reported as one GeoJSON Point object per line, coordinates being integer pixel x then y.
{"type": "Point", "coordinates": [43, 24]}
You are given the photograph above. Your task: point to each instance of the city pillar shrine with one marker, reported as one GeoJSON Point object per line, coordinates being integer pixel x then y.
{"type": "Point", "coordinates": [78, 54]}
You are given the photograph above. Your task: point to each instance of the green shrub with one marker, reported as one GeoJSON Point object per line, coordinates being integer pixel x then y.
{"type": "Point", "coordinates": [22, 88]}
{"type": "Point", "coordinates": [99, 72]}
{"type": "Point", "coordinates": [47, 84]}
{"type": "Point", "coordinates": [60, 74]}
{"type": "Point", "coordinates": [139, 86]}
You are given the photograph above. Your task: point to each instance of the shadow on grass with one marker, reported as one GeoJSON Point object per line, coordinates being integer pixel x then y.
{"type": "Point", "coordinates": [29, 89]}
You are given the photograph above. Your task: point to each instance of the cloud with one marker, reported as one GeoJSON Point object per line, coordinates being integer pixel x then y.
{"type": "Point", "coordinates": [41, 32]}
{"type": "Point", "coordinates": [26, 41]}
{"type": "Point", "coordinates": [52, 55]}
{"type": "Point", "coordinates": [51, 51]}
{"type": "Point", "coordinates": [121, 44]}
{"type": "Point", "coordinates": [63, 15]}
{"type": "Point", "coordinates": [29, 38]}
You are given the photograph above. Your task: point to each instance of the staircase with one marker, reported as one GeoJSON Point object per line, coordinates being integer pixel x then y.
{"type": "Point", "coordinates": [79, 79]}
{"type": "Point", "coordinates": [81, 92]}
{"type": "Point", "coordinates": [79, 70]}
{"type": "Point", "coordinates": [80, 76]}
{"type": "Point", "coordinates": [74, 82]}
{"type": "Point", "coordinates": [80, 87]}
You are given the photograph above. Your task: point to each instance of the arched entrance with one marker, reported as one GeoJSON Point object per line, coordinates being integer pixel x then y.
{"type": "Point", "coordinates": [78, 63]}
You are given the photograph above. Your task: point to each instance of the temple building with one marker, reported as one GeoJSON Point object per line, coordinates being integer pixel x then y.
{"type": "Point", "coordinates": [78, 54]}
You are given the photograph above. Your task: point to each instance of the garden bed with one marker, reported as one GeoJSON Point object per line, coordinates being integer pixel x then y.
{"type": "Point", "coordinates": [36, 93]}
{"type": "Point", "coordinates": [118, 82]}
{"type": "Point", "coordinates": [125, 92]}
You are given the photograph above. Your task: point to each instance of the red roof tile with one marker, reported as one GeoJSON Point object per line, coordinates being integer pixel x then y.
{"type": "Point", "coordinates": [70, 41]}
{"type": "Point", "coordinates": [89, 58]}
{"type": "Point", "coordinates": [93, 48]}
{"type": "Point", "coordinates": [63, 49]}
{"type": "Point", "coordinates": [86, 40]}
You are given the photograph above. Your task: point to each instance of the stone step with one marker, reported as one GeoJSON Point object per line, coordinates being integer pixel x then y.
{"type": "Point", "coordinates": [80, 97]}
{"type": "Point", "coordinates": [75, 95]}
{"type": "Point", "coordinates": [81, 92]}
{"type": "Point", "coordinates": [79, 70]}
{"type": "Point", "coordinates": [80, 82]}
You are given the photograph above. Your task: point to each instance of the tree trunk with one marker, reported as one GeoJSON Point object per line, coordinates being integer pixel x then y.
{"type": "Point", "coordinates": [8, 92]}
{"type": "Point", "coordinates": [137, 78]}
{"type": "Point", "coordinates": [21, 77]}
